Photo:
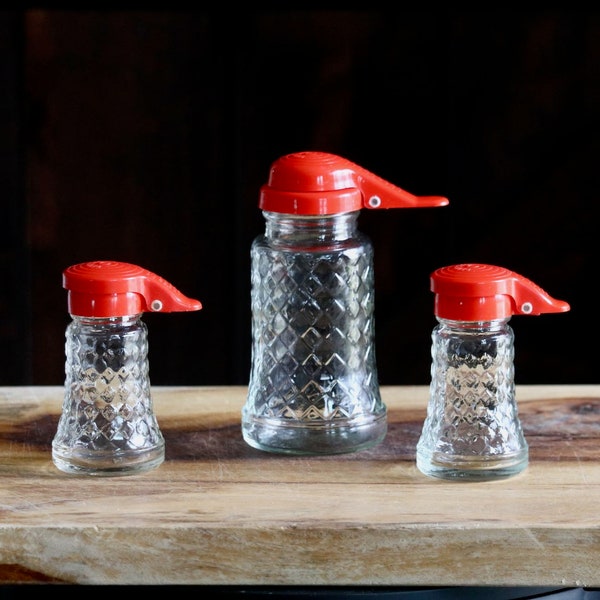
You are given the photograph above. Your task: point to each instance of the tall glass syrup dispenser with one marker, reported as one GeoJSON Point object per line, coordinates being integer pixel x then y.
{"type": "Point", "coordinates": [472, 430]}
{"type": "Point", "coordinates": [108, 426]}
{"type": "Point", "coordinates": [313, 382]}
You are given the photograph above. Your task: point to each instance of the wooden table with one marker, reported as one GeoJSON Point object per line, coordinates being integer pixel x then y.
{"type": "Point", "coordinates": [218, 512]}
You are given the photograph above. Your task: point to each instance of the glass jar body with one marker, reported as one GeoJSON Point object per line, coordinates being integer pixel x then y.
{"type": "Point", "coordinates": [313, 383]}
{"type": "Point", "coordinates": [472, 429]}
{"type": "Point", "coordinates": [107, 425]}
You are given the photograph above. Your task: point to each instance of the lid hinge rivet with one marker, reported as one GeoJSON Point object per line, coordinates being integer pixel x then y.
{"type": "Point", "coordinates": [526, 307]}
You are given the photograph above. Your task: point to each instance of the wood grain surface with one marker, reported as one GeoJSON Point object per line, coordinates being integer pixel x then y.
{"type": "Point", "coordinates": [219, 512]}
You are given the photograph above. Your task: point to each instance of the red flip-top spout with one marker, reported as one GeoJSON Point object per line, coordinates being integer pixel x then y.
{"type": "Point", "coordinates": [480, 292]}
{"type": "Point", "coordinates": [318, 183]}
{"type": "Point", "coordinates": [114, 289]}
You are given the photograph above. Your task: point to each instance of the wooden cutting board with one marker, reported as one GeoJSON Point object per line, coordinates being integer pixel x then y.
{"type": "Point", "coordinates": [218, 512]}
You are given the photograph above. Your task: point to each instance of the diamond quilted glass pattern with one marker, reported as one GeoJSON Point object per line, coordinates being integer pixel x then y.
{"type": "Point", "coordinates": [107, 411]}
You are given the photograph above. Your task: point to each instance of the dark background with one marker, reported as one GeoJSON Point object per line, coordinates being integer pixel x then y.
{"type": "Point", "coordinates": [144, 136]}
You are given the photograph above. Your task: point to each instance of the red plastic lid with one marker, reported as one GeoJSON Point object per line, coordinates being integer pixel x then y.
{"type": "Point", "coordinates": [117, 289]}
{"type": "Point", "coordinates": [317, 183]}
{"type": "Point", "coordinates": [480, 292]}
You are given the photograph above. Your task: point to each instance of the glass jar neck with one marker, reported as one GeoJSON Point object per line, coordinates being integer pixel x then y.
{"type": "Point", "coordinates": [474, 326]}
{"type": "Point", "coordinates": [107, 321]}
{"type": "Point", "coordinates": [310, 228]}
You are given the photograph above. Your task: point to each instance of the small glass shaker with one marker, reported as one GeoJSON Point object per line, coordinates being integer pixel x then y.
{"type": "Point", "coordinates": [313, 382]}
{"type": "Point", "coordinates": [108, 426]}
{"type": "Point", "coordinates": [472, 430]}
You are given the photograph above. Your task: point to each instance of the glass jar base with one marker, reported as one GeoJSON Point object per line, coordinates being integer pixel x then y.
{"type": "Point", "coordinates": [105, 465]}
{"type": "Point", "coordinates": [471, 468]}
{"type": "Point", "coordinates": [281, 437]}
